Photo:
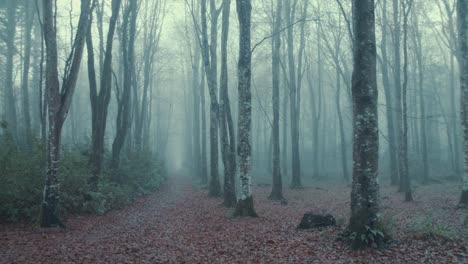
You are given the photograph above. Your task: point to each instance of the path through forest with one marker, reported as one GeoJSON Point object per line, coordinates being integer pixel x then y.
{"type": "Point", "coordinates": [181, 224]}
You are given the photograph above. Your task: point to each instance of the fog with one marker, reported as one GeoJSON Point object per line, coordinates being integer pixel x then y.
{"type": "Point", "coordinates": [304, 108]}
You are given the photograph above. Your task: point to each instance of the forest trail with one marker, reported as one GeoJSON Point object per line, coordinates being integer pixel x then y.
{"type": "Point", "coordinates": [180, 224]}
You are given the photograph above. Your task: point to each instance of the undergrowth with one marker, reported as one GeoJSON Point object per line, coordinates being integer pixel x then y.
{"type": "Point", "coordinates": [22, 175]}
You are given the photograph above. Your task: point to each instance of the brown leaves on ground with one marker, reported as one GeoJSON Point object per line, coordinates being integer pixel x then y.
{"type": "Point", "coordinates": [183, 225]}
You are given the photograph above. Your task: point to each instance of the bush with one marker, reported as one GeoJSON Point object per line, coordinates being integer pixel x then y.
{"type": "Point", "coordinates": [426, 227]}
{"type": "Point", "coordinates": [22, 177]}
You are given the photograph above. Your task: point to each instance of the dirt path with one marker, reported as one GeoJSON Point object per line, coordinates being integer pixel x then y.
{"type": "Point", "coordinates": [183, 225]}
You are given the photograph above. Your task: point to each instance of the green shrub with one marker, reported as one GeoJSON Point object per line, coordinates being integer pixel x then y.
{"type": "Point", "coordinates": [22, 177]}
{"type": "Point", "coordinates": [427, 227]}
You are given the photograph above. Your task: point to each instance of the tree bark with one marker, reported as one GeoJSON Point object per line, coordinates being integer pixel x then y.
{"type": "Point", "coordinates": [404, 168]}
{"type": "Point", "coordinates": [10, 106]}
{"type": "Point", "coordinates": [365, 196]}
{"type": "Point", "coordinates": [277, 188]}
{"type": "Point", "coordinates": [462, 12]}
{"type": "Point", "coordinates": [245, 204]}
{"type": "Point", "coordinates": [226, 124]}
{"type": "Point", "coordinates": [392, 147]}
{"type": "Point", "coordinates": [295, 158]}
{"type": "Point", "coordinates": [124, 110]}
{"type": "Point", "coordinates": [210, 63]}
{"type": "Point", "coordinates": [100, 101]}
{"type": "Point", "coordinates": [29, 17]}
{"type": "Point", "coordinates": [397, 75]}
{"type": "Point", "coordinates": [59, 101]}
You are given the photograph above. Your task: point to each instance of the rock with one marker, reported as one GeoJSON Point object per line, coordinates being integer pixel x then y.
{"type": "Point", "coordinates": [310, 220]}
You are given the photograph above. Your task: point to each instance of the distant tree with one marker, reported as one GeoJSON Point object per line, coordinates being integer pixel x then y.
{"type": "Point", "coordinates": [28, 24]}
{"type": "Point", "coordinates": [59, 101]}
{"type": "Point", "coordinates": [365, 194]}
{"type": "Point", "coordinates": [277, 188]}
{"type": "Point", "coordinates": [124, 110]}
{"type": "Point", "coordinates": [100, 99]}
{"type": "Point", "coordinates": [404, 166]}
{"type": "Point", "coordinates": [209, 55]}
{"type": "Point", "coordinates": [228, 141]}
{"type": "Point", "coordinates": [462, 13]}
{"type": "Point", "coordinates": [245, 204]}
{"type": "Point", "coordinates": [9, 101]}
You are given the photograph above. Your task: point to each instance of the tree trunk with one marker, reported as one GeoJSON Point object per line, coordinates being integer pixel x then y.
{"type": "Point", "coordinates": [277, 188]}
{"type": "Point", "coordinates": [462, 11]}
{"type": "Point", "coordinates": [123, 122]}
{"type": "Point", "coordinates": [397, 75]}
{"type": "Point", "coordinates": [29, 17]}
{"type": "Point", "coordinates": [100, 101]}
{"type": "Point", "coordinates": [422, 102]}
{"type": "Point", "coordinates": [9, 100]}
{"type": "Point", "coordinates": [295, 162]}
{"type": "Point", "coordinates": [204, 160]}
{"type": "Point", "coordinates": [59, 101]}
{"type": "Point", "coordinates": [392, 147]}
{"type": "Point", "coordinates": [245, 204]}
{"type": "Point", "coordinates": [404, 168]}
{"type": "Point", "coordinates": [365, 195]}
{"type": "Point", "coordinates": [226, 123]}
{"type": "Point", "coordinates": [210, 63]}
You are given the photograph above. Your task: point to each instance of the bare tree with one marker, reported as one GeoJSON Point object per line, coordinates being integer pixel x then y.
{"type": "Point", "coordinates": [9, 102]}
{"type": "Point", "coordinates": [59, 101]}
{"type": "Point", "coordinates": [462, 12]}
{"type": "Point", "coordinates": [404, 167]}
{"type": "Point", "coordinates": [28, 20]}
{"type": "Point", "coordinates": [124, 99]}
{"type": "Point", "coordinates": [228, 142]}
{"type": "Point", "coordinates": [245, 203]}
{"type": "Point", "coordinates": [277, 188]}
{"type": "Point", "coordinates": [100, 100]}
{"type": "Point", "coordinates": [365, 194]}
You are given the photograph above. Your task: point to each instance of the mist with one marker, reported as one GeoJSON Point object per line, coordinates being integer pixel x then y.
{"type": "Point", "coordinates": [208, 131]}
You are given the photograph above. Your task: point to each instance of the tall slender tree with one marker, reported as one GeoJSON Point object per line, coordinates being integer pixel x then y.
{"type": "Point", "coordinates": [100, 100]}
{"type": "Point", "coordinates": [228, 142]}
{"type": "Point", "coordinates": [462, 12]}
{"type": "Point", "coordinates": [277, 188]}
{"type": "Point", "coordinates": [365, 194]}
{"type": "Point", "coordinates": [59, 101]}
{"type": "Point", "coordinates": [245, 203]}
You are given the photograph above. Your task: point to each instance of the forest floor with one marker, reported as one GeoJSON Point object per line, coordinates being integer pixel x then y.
{"type": "Point", "coordinates": [181, 224]}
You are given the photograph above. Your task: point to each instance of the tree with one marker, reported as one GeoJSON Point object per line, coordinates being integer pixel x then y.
{"type": "Point", "coordinates": [392, 140]}
{"type": "Point", "coordinates": [28, 20]}
{"type": "Point", "coordinates": [124, 99]}
{"type": "Point", "coordinates": [462, 12]}
{"type": "Point", "coordinates": [294, 83]}
{"type": "Point", "coordinates": [10, 108]}
{"type": "Point", "coordinates": [245, 204]}
{"type": "Point", "coordinates": [228, 142]}
{"type": "Point", "coordinates": [365, 194]}
{"type": "Point", "coordinates": [404, 168]}
{"type": "Point", "coordinates": [397, 75]}
{"type": "Point", "coordinates": [209, 56]}
{"type": "Point", "coordinates": [59, 101]}
{"type": "Point", "coordinates": [277, 188]}
{"type": "Point", "coordinates": [100, 100]}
